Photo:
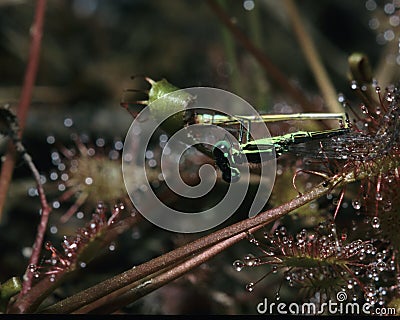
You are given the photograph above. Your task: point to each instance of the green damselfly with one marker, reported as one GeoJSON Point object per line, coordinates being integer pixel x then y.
{"type": "Point", "coordinates": [261, 150]}
{"type": "Point", "coordinates": [225, 154]}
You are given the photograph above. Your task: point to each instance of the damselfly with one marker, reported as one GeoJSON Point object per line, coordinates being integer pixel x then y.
{"type": "Point", "coordinates": [225, 154]}
{"type": "Point", "coordinates": [261, 150]}
{"type": "Point", "coordinates": [186, 116]}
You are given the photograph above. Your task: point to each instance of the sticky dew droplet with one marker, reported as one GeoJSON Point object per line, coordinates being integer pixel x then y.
{"type": "Point", "coordinates": [238, 265]}
{"type": "Point", "coordinates": [375, 223]}
{"type": "Point", "coordinates": [32, 267]}
{"type": "Point", "coordinates": [381, 266]}
{"type": "Point", "coordinates": [378, 196]}
{"type": "Point", "coordinates": [250, 260]}
{"type": "Point", "coordinates": [356, 204]}
{"type": "Point", "coordinates": [250, 286]}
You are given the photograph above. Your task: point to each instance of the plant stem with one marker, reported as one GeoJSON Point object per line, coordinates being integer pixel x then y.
{"type": "Point", "coordinates": [154, 282]}
{"type": "Point", "coordinates": [387, 70]}
{"type": "Point", "coordinates": [46, 209]}
{"type": "Point", "coordinates": [231, 57]}
{"type": "Point", "coordinates": [206, 246]}
{"type": "Point", "coordinates": [314, 60]}
{"type": "Point", "coordinates": [24, 103]}
{"type": "Point", "coordinates": [262, 58]}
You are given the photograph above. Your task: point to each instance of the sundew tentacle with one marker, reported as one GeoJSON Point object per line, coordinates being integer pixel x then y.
{"type": "Point", "coordinates": [88, 174]}
{"type": "Point", "coordinates": [323, 260]}
{"type": "Point", "coordinates": [76, 251]}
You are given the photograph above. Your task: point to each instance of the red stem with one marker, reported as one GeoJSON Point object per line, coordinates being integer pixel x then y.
{"type": "Point", "coordinates": [207, 246]}
{"type": "Point", "coordinates": [26, 96]}
{"type": "Point", "coordinates": [22, 112]}
{"type": "Point", "coordinates": [37, 246]}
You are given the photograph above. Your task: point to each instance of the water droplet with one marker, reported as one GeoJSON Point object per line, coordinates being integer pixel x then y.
{"type": "Point", "coordinates": [238, 265]}
{"type": "Point", "coordinates": [252, 239]}
{"type": "Point", "coordinates": [100, 142]}
{"type": "Point", "coordinates": [149, 154]}
{"type": "Point", "coordinates": [375, 223]}
{"type": "Point", "coordinates": [356, 204]}
{"type": "Point", "coordinates": [381, 266]}
{"type": "Point", "coordinates": [380, 256]}
{"type": "Point", "coordinates": [363, 109]}
{"type": "Point", "coordinates": [350, 284]}
{"type": "Point", "coordinates": [152, 163]}
{"type": "Point", "coordinates": [248, 5]}
{"type": "Point", "coordinates": [50, 139]}
{"type": "Point", "coordinates": [368, 248]}
{"type": "Point", "coordinates": [362, 256]}
{"type": "Point", "coordinates": [32, 268]}
{"type": "Point", "coordinates": [277, 296]}
{"type": "Point", "coordinates": [56, 204]}
{"type": "Point", "coordinates": [354, 85]}
{"type": "Point", "coordinates": [250, 286]}
{"type": "Point", "coordinates": [53, 229]}
{"type": "Point", "coordinates": [27, 252]}
{"type": "Point", "coordinates": [378, 196]}
{"type": "Point", "coordinates": [68, 122]}
{"type": "Point", "coordinates": [250, 260]}
{"type": "Point", "coordinates": [80, 215]}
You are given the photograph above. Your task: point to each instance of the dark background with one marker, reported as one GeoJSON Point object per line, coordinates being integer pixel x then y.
{"type": "Point", "coordinates": [90, 50]}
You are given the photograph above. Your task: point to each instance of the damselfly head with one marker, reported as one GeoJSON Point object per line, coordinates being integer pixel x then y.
{"type": "Point", "coordinates": [222, 155]}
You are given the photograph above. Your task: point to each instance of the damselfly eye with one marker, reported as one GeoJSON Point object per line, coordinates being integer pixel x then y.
{"type": "Point", "coordinates": [221, 150]}
{"type": "Point", "coordinates": [235, 175]}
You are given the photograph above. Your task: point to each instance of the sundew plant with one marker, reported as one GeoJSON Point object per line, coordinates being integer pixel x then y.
{"type": "Point", "coordinates": [85, 82]}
